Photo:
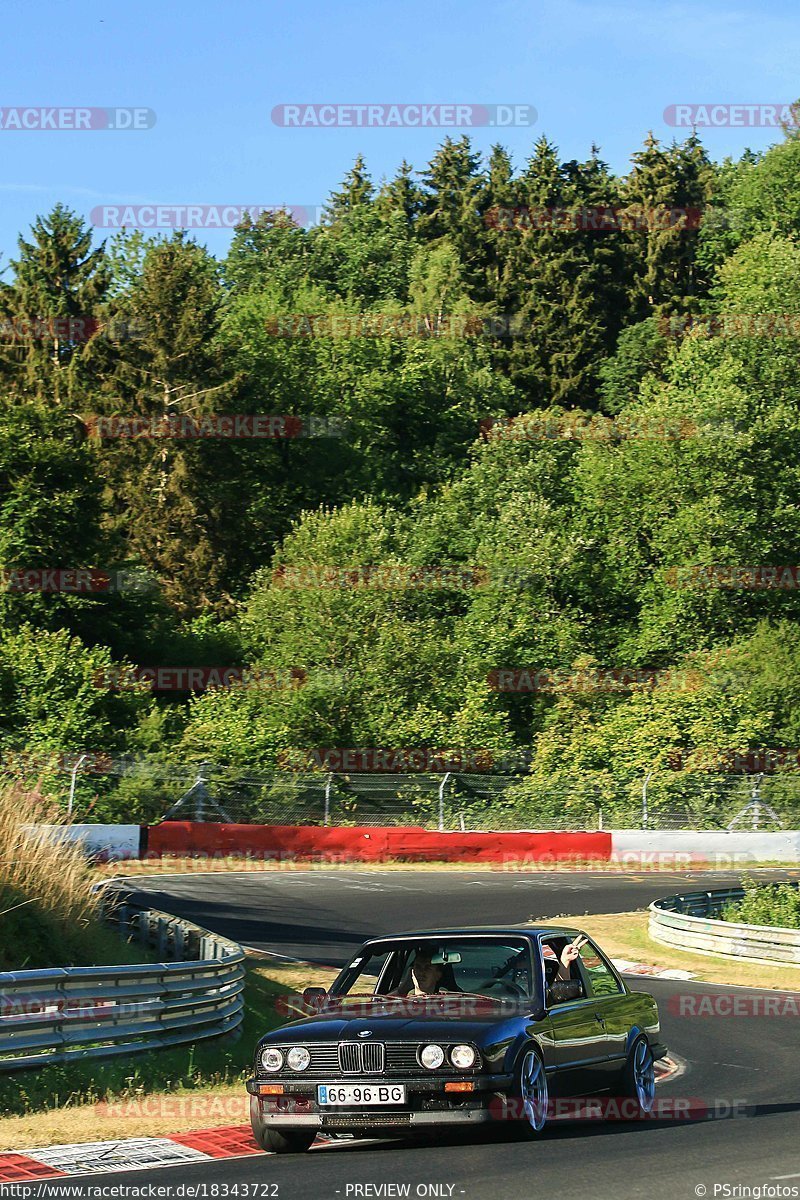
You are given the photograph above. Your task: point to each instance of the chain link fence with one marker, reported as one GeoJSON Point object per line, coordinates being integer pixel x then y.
{"type": "Point", "coordinates": [147, 791]}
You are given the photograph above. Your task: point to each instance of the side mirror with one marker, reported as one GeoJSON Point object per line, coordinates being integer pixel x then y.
{"type": "Point", "coordinates": [314, 998]}
{"type": "Point", "coordinates": [562, 990]}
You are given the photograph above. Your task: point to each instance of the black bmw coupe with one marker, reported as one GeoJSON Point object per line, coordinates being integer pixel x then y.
{"type": "Point", "coordinates": [456, 1027]}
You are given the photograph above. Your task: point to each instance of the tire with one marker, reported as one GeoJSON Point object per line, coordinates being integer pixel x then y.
{"type": "Point", "coordinates": [285, 1141]}
{"type": "Point", "coordinates": [638, 1076]}
{"type": "Point", "coordinates": [532, 1094]}
{"type": "Point", "coordinates": [279, 1141]}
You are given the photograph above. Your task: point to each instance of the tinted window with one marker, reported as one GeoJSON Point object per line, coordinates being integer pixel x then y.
{"type": "Point", "coordinates": [490, 967]}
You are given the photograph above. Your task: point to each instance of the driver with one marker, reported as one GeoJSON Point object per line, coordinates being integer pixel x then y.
{"type": "Point", "coordinates": [426, 976]}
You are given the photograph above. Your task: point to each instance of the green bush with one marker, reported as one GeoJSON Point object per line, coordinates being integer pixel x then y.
{"type": "Point", "coordinates": [766, 904]}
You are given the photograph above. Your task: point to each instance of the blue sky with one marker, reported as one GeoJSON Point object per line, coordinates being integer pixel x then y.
{"type": "Point", "coordinates": [594, 70]}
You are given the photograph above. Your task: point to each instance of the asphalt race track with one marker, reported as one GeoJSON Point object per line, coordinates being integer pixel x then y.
{"type": "Point", "coordinates": [322, 916]}
{"type": "Point", "coordinates": [735, 1118]}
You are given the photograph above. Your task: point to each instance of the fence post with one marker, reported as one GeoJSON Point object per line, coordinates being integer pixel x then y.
{"type": "Point", "coordinates": [328, 786]}
{"type": "Point", "coordinates": [644, 799]}
{"type": "Point", "coordinates": [442, 786]}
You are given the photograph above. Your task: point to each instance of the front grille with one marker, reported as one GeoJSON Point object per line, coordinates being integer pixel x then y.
{"type": "Point", "coordinates": [350, 1058]}
{"type": "Point", "coordinates": [331, 1060]}
{"type": "Point", "coordinates": [403, 1058]}
{"type": "Point", "coordinates": [373, 1058]}
{"type": "Point", "coordinates": [362, 1058]}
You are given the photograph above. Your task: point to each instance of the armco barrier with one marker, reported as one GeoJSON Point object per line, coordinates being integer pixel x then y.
{"type": "Point", "coordinates": [65, 1014]}
{"type": "Point", "coordinates": [688, 922]}
{"type": "Point", "coordinates": [371, 843]}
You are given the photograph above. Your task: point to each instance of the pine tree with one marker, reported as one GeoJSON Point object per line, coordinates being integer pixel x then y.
{"type": "Point", "coordinates": [169, 368]}
{"type": "Point", "coordinates": [454, 182]}
{"type": "Point", "coordinates": [498, 201]}
{"type": "Point", "coordinates": [401, 195]}
{"type": "Point", "coordinates": [56, 294]}
{"type": "Point", "coordinates": [666, 191]}
{"type": "Point", "coordinates": [564, 278]}
{"type": "Point", "coordinates": [356, 190]}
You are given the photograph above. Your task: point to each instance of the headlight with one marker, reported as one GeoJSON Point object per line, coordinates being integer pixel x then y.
{"type": "Point", "coordinates": [462, 1057]}
{"type": "Point", "coordinates": [298, 1058]}
{"type": "Point", "coordinates": [271, 1058]}
{"type": "Point", "coordinates": [432, 1057]}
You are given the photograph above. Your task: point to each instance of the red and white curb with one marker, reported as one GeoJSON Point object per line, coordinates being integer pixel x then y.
{"type": "Point", "coordinates": [132, 1154]}
{"type": "Point", "coordinates": [626, 967]}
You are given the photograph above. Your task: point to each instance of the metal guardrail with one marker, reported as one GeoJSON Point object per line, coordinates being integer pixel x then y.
{"type": "Point", "coordinates": [687, 922]}
{"type": "Point", "coordinates": [62, 1014]}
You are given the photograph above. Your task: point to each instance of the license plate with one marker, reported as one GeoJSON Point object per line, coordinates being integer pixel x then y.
{"type": "Point", "coordinates": [361, 1093]}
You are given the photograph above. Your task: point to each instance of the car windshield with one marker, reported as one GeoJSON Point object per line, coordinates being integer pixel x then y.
{"type": "Point", "coordinates": [494, 968]}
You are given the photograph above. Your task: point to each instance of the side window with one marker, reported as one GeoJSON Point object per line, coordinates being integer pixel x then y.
{"type": "Point", "coordinates": [551, 950]}
{"type": "Point", "coordinates": [559, 992]}
{"type": "Point", "coordinates": [602, 980]}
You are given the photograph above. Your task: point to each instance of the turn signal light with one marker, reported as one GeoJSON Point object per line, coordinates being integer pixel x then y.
{"type": "Point", "coordinates": [459, 1087]}
{"type": "Point", "coordinates": [270, 1089]}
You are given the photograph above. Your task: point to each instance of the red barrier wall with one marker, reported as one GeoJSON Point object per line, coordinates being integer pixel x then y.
{"type": "Point", "coordinates": [371, 843]}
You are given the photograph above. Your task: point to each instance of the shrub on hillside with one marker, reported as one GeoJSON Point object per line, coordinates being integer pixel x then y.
{"type": "Point", "coordinates": [766, 904]}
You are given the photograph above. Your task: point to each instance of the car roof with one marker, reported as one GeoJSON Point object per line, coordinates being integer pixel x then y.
{"type": "Point", "coordinates": [526, 931]}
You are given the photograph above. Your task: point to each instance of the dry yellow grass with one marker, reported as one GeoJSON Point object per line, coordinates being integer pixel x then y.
{"type": "Point", "coordinates": [48, 912]}
{"type": "Point", "coordinates": [52, 872]}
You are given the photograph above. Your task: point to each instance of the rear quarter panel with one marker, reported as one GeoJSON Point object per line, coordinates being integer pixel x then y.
{"type": "Point", "coordinates": [627, 1016]}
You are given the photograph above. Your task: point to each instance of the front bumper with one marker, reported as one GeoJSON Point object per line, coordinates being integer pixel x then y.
{"type": "Point", "coordinates": [374, 1119]}
{"type": "Point", "coordinates": [427, 1103]}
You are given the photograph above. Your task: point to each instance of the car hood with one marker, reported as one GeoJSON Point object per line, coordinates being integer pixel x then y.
{"type": "Point", "coordinates": [328, 1027]}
